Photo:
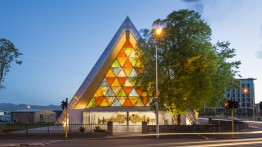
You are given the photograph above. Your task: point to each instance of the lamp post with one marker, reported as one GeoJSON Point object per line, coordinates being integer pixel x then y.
{"type": "Point", "coordinates": [156, 100]}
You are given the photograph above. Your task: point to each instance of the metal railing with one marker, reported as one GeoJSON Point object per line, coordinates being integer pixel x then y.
{"type": "Point", "coordinates": [51, 128]}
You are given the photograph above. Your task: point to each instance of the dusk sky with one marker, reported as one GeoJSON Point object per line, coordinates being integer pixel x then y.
{"type": "Point", "coordinates": [62, 39]}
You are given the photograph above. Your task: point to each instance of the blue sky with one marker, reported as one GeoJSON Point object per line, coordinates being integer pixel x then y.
{"type": "Point", "coordinates": [61, 40]}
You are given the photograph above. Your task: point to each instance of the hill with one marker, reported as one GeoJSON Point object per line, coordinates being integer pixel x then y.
{"type": "Point", "coordinates": [14, 107]}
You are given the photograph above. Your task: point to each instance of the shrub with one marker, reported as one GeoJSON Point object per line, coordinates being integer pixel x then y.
{"type": "Point", "coordinates": [98, 129]}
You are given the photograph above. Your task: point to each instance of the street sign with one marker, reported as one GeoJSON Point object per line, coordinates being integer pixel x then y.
{"type": "Point", "coordinates": [156, 100]}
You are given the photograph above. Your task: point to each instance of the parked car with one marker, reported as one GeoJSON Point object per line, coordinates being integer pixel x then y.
{"type": "Point", "coordinates": [230, 118]}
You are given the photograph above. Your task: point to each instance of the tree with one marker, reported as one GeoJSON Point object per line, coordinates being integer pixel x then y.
{"type": "Point", "coordinates": [8, 54]}
{"type": "Point", "coordinates": [192, 72]}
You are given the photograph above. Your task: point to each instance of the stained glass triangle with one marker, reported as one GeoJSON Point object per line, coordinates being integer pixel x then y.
{"type": "Point", "coordinates": [121, 73]}
{"type": "Point", "coordinates": [138, 90]}
{"type": "Point", "coordinates": [128, 64]}
{"type": "Point", "coordinates": [98, 100]}
{"type": "Point", "coordinates": [110, 73]}
{"type": "Point", "coordinates": [104, 90]}
{"type": "Point", "coordinates": [116, 103]}
{"type": "Point", "coordinates": [121, 93]}
{"type": "Point", "coordinates": [116, 70]}
{"type": "Point", "coordinates": [104, 83]}
{"type": "Point", "coordinates": [133, 92]}
{"type": "Point", "coordinates": [116, 90]}
{"type": "Point", "coordinates": [128, 83]}
{"type": "Point", "coordinates": [128, 51]}
{"type": "Point", "coordinates": [92, 103]}
{"type": "Point", "coordinates": [144, 100]}
{"type": "Point", "coordinates": [127, 90]}
{"type": "Point", "coordinates": [144, 93]}
{"type": "Point", "coordinates": [149, 102]}
{"type": "Point", "coordinates": [138, 63]}
{"type": "Point", "coordinates": [133, 73]}
{"type": "Point", "coordinates": [133, 100]}
{"type": "Point", "coordinates": [121, 100]}
{"type": "Point", "coordinates": [139, 103]}
{"type": "Point", "coordinates": [127, 103]}
{"type": "Point", "coordinates": [122, 80]}
{"type": "Point", "coordinates": [110, 80]}
{"type": "Point", "coordinates": [121, 60]}
{"type": "Point", "coordinates": [104, 103]}
{"type": "Point", "coordinates": [98, 93]}
{"type": "Point", "coordinates": [133, 54]}
{"type": "Point", "coordinates": [110, 92]}
{"type": "Point", "coordinates": [121, 54]}
{"type": "Point", "coordinates": [128, 71]}
{"type": "Point", "coordinates": [133, 60]}
{"type": "Point", "coordinates": [127, 44]}
{"type": "Point", "coordinates": [110, 100]}
{"type": "Point", "coordinates": [139, 70]}
{"type": "Point", "coordinates": [116, 64]}
{"type": "Point", "coordinates": [132, 80]}
{"type": "Point", "coordinates": [115, 83]}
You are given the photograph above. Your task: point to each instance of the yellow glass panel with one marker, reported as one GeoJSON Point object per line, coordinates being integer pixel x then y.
{"type": "Point", "coordinates": [104, 90]}
{"type": "Point", "coordinates": [110, 73]}
{"type": "Point", "coordinates": [139, 63]}
{"type": "Point", "coordinates": [110, 100]}
{"type": "Point", "coordinates": [116, 90]}
{"type": "Point", "coordinates": [121, 60]}
{"type": "Point", "coordinates": [128, 51]}
{"type": "Point", "coordinates": [121, 100]}
{"type": "Point", "coordinates": [104, 103]}
{"type": "Point", "coordinates": [121, 73]}
{"type": "Point", "coordinates": [116, 64]}
{"type": "Point", "coordinates": [133, 54]}
{"type": "Point", "coordinates": [144, 94]}
{"type": "Point", "coordinates": [128, 83]}
{"type": "Point", "coordinates": [128, 71]}
{"type": "Point", "coordinates": [133, 100]}
{"type": "Point", "coordinates": [98, 93]}
{"type": "Point", "coordinates": [139, 103]}
{"type": "Point", "coordinates": [116, 83]}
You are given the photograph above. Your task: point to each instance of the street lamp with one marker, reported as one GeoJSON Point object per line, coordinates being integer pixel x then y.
{"type": "Point", "coordinates": [158, 31]}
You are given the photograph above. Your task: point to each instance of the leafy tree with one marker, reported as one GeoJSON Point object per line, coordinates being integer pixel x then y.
{"type": "Point", "coordinates": [8, 54]}
{"type": "Point", "coordinates": [192, 72]}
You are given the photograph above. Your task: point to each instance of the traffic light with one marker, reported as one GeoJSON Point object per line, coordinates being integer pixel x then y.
{"type": "Point", "coordinates": [228, 104]}
{"type": "Point", "coordinates": [260, 106]}
{"type": "Point", "coordinates": [63, 104]}
{"type": "Point", "coordinates": [236, 104]}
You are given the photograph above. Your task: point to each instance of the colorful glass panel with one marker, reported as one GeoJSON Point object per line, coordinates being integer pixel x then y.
{"type": "Point", "coordinates": [128, 51]}
{"type": "Point", "coordinates": [115, 83]}
{"type": "Point", "coordinates": [128, 71]}
{"type": "Point", "coordinates": [110, 80]}
{"type": "Point", "coordinates": [133, 61]}
{"type": "Point", "coordinates": [133, 100]}
{"type": "Point", "coordinates": [104, 103]}
{"type": "Point", "coordinates": [116, 70]}
{"type": "Point", "coordinates": [110, 73]}
{"type": "Point", "coordinates": [128, 83]}
{"type": "Point", "coordinates": [110, 93]}
{"type": "Point", "coordinates": [128, 64]}
{"type": "Point", "coordinates": [144, 100]}
{"type": "Point", "coordinates": [121, 93]}
{"type": "Point", "coordinates": [92, 103]}
{"type": "Point", "coordinates": [98, 100]}
{"type": "Point", "coordinates": [132, 80]}
{"type": "Point", "coordinates": [110, 100]}
{"type": "Point", "coordinates": [133, 54]}
{"type": "Point", "coordinates": [116, 90]}
{"type": "Point", "coordinates": [133, 92]}
{"type": "Point", "coordinates": [121, 60]}
{"type": "Point", "coordinates": [121, 73]}
{"type": "Point", "coordinates": [104, 90]}
{"type": "Point", "coordinates": [127, 44]}
{"type": "Point", "coordinates": [98, 93]}
{"type": "Point", "coordinates": [121, 54]}
{"type": "Point", "coordinates": [127, 90]}
{"type": "Point", "coordinates": [138, 63]}
{"type": "Point", "coordinates": [149, 102]}
{"type": "Point", "coordinates": [133, 73]}
{"type": "Point", "coordinates": [122, 80]}
{"type": "Point", "coordinates": [139, 102]}
{"type": "Point", "coordinates": [127, 103]}
{"type": "Point", "coordinates": [116, 64]}
{"type": "Point", "coordinates": [121, 100]}
{"type": "Point", "coordinates": [104, 83]}
{"type": "Point", "coordinates": [116, 103]}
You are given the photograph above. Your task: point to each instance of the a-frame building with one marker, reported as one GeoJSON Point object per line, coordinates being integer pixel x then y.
{"type": "Point", "coordinates": [110, 91]}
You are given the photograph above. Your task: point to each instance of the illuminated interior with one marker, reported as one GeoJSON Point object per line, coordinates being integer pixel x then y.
{"type": "Point", "coordinates": [119, 86]}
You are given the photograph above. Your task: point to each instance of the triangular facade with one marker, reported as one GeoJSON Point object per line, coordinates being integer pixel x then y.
{"type": "Point", "coordinates": [111, 82]}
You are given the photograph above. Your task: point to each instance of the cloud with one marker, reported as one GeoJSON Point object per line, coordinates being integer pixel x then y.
{"type": "Point", "coordinates": [196, 5]}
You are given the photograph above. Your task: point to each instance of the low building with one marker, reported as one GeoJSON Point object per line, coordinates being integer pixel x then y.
{"type": "Point", "coordinates": [33, 116]}
{"type": "Point", "coordinates": [4, 117]}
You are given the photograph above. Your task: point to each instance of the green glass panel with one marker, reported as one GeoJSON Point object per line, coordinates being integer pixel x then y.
{"type": "Point", "coordinates": [110, 92]}
{"type": "Point", "coordinates": [121, 93]}
{"type": "Point", "coordinates": [116, 64]}
{"type": "Point", "coordinates": [104, 83]}
{"type": "Point", "coordinates": [104, 90]}
{"type": "Point", "coordinates": [104, 103]}
{"type": "Point", "coordinates": [128, 51]}
{"type": "Point", "coordinates": [133, 73]}
{"type": "Point", "coordinates": [133, 92]}
{"type": "Point", "coordinates": [133, 61]}
{"type": "Point", "coordinates": [116, 103]}
{"type": "Point", "coordinates": [132, 80]}
{"type": "Point", "coordinates": [110, 100]}
{"type": "Point", "coordinates": [116, 70]}
{"type": "Point", "coordinates": [121, 100]}
{"type": "Point", "coordinates": [92, 103]}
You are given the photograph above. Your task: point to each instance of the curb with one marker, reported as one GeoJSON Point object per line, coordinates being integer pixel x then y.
{"type": "Point", "coordinates": [22, 144]}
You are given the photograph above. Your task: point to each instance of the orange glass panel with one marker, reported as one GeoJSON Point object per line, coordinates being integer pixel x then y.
{"type": "Point", "coordinates": [138, 90]}
{"type": "Point", "coordinates": [128, 51]}
{"type": "Point", "coordinates": [104, 90]}
{"type": "Point", "coordinates": [121, 60]}
{"type": "Point", "coordinates": [110, 100]}
{"type": "Point", "coordinates": [121, 93]}
{"type": "Point", "coordinates": [127, 44]}
{"type": "Point", "coordinates": [121, 73]}
{"type": "Point", "coordinates": [116, 64]}
{"type": "Point", "coordinates": [110, 73]}
{"type": "Point", "coordinates": [110, 80]}
{"type": "Point", "coordinates": [122, 80]}
{"type": "Point", "coordinates": [116, 83]}
{"type": "Point", "coordinates": [133, 100]}
{"type": "Point", "coordinates": [128, 70]}
{"type": "Point", "coordinates": [133, 54]}
{"type": "Point", "coordinates": [104, 103]}
{"type": "Point", "coordinates": [98, 93]}
{"type": "Point", "coordinates": [128, 64]}
{"type": "Point", "coordinates": [127, 90]}
{"type": "Point", "coordinates": [133, 60]}
{"type": "Point", "coordinates": [121, 100]}
{"type": "Point", "coordinates": [98, 100]}
{"type": "Point", "coordinates": [121, 54]}
{"type": "Point", "coordinates": [116, 90]}
{"type": "Point", "coordinates": [128, 83]}
{"type": "Point", "coordinates": [127, 103]}
{"type": "Point", "coordinates": [139, 102]}
{"type": "Point", "coordinates": [144, 100]}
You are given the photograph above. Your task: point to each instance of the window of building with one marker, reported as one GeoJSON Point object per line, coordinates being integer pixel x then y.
{"type": "Point", "coordinates": [248, 85]}
{"type": "Point", "coordinates": [41, 117]}
{"type": "Point", "coordinates": [248, 105]}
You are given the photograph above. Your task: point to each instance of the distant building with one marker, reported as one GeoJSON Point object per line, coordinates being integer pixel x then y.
{"type": "Point", "coordinates": [4, 117]}
{"type": "Point", "coordinates": [33, 116]}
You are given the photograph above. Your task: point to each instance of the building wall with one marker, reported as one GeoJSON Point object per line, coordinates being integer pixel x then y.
{"type": "Point", "coordinates": [22, 117]}
{"type": "Point", "coordinates": [44, 116]}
